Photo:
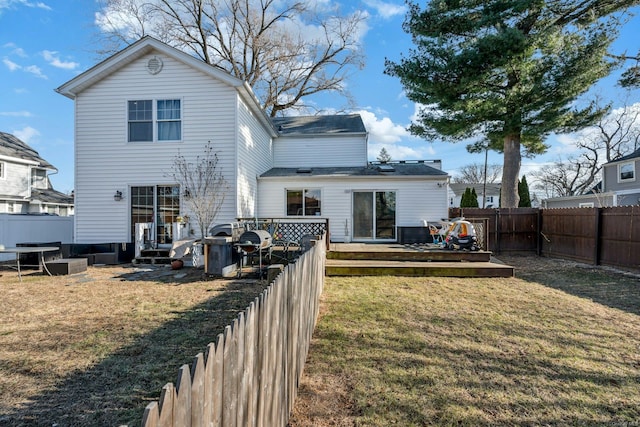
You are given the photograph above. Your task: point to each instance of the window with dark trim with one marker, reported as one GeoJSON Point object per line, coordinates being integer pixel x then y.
{"type": "Point", "coordinates": [304, 202]}
{"type": "Point", "coordinates": [167, 117]}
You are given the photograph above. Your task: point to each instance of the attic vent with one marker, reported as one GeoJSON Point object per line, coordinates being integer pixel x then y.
{"type": "Point", "coordinates": [154, 65]}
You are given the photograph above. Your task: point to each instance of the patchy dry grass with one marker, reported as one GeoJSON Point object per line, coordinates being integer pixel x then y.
{"type": "Point", "coordinates": [93, 349]}
{"type": "Point", "coordinates": [560, 345]}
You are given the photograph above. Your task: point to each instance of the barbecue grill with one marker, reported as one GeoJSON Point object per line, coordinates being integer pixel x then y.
{"type": "Point", "coordinates": [250, 241]}
{"type": "Point", "coordinates": [253, 243]}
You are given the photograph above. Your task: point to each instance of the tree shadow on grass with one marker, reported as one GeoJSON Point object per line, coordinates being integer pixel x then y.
{"type": "Point", "coordinates": [116, 391]}
{"type": "Point", "coordinates": [604, 285]}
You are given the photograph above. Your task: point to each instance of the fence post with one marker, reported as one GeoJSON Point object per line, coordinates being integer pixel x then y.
{"type": "Point", "coordinates": [597, 237]}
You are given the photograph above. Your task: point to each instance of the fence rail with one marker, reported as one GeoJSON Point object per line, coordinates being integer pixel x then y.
{"type": "Point", "coordinates": [249, 376]}
{"type": "Point", "coordinates": [607, 236]}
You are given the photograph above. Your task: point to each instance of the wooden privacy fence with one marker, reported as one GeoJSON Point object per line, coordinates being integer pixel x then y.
{"type": "Point", "coordinates": [249, 376]}
{"type": "Point", "coordinates": [608, 236]}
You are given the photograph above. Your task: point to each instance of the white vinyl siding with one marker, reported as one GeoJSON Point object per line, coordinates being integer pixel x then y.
{"type": "Point", "coordinates": [254, 158]}
{"type": "Point", "coordinates": [416, 199]}
{"type": "Point", "coordinates": [106, 162]}
{"type": "Point", "coordinates": [334, 151]}
{"type": "Point", "coordinates": [16, 179]}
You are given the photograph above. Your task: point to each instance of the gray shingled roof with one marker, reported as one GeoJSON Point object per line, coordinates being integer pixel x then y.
{"type": "Point", "coordinates": [51, 196]}
{"type": "Point", "coordinates": [459, 188]}
{"type": "Point", "coordinates": [12, 147]}
{"type": "Point", "coordinates": [633, 155]}
{"type": "Point", "coordinates": [314, 125]}
{"type": "Point", "coordinates": [399, 169]}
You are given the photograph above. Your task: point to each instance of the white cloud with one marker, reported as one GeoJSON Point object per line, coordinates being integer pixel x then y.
{"type": "Point", "coordinates": [12, 66]}
{"type": "Point", "coordinates": [26, 134]}
{"type": "Point", "coordinates": [53, 59]}
{"type": "Point", "coordinates": [15, 113]}
{"type": "Point", "coordinates": [35, 70]}
{"type": "Point", "coordinates": [6, 4]}
{"type": "Point", "coordinates": [382, 130]}
{"type": "Point", "coordinates": [32, 69]}
{"type": "Point", "coordinates": [385, 9]}
{"type": "Point", "coordinates": [393, 137]}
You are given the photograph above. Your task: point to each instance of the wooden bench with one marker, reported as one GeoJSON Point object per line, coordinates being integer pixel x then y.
{"type": "Point", "coordinates": [64, 266]}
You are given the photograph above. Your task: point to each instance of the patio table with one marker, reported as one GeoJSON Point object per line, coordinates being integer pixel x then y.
{"type": "Point", "coordinates": [27, 250]}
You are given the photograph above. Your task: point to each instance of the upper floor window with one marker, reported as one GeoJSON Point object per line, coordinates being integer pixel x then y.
{"type": "Point", "coordinates": [167, 116]}
{"type": "Point", "coordinates": [2, 170]}
{"type": "Point", "coordinates": [627, 171]}
{"type": "Point", "coordinates": [305, 202]}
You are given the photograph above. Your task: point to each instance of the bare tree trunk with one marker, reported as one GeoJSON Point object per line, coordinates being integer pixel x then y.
{"type": "Point", "coordinates": [509, 197]}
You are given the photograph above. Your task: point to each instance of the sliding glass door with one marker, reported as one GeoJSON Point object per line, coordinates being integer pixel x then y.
{"type": "Point", "coordinates": [374, 215]}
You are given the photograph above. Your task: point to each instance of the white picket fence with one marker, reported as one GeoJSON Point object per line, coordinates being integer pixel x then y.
{"type": "Point", "coordinates": [16, 229]}
{"type": "Point", "coordinates": [249, 376]}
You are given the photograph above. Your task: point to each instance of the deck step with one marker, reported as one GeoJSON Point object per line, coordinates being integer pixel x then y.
{"type": "Point", "coordinates": [336, 267]}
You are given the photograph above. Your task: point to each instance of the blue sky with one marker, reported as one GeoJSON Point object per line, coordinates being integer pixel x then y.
{"type": "Point", "coordinates": [45, 43]}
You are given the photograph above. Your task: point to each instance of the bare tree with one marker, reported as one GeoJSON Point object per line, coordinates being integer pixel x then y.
{"type": "Point", "coordinates": [613, 136]}
{"type": "Point", "coordinates": [285, 49]}
{"type": "Point", "coordinates": [202, 185]}
{"type": "Point", "coordinates": [474, 174]}
{"type": "Point", "coordinates": [564, 178]}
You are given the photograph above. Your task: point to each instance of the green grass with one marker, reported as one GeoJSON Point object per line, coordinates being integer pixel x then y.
{"type": "Point", "coordinates": [475, 352]}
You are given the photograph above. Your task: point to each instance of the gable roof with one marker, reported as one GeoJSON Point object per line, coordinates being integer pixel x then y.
{"type": "Point", "coordinates": [634, 155]}
{"type": "Point", "coordinates": [11, 146]}
{"type": "Point", "coordinates": [491, 188]}
{"type": "Point", "coordinates": [314, 125]}
{"type": "Point", "coordinates": [147, 45]}
{"type": "Point", "coordinates": [372, 170]}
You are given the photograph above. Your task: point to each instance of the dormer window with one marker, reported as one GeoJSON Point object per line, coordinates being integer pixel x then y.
{"type": "Point", "coordinates": [627, 172]}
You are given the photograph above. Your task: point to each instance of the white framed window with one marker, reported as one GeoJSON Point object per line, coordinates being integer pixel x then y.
{"type": "Point", "coordinates": [149, 120]}
{"type": "Point", "coordinates": [2, 170]}
{"type": "Point", "coordinates": [586, 205]}
{"type": "Point", "coordinates": [627, 172]}
{"type": "Point", "coordinates": [489, 199]}
{"type": "Point", "coordinates": [304, 202]}
{"type": "Point", "coordinates": [11, 207]}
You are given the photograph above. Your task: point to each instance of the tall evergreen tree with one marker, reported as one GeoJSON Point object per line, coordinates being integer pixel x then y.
{"type": "Point", "coordinates": [506, 71]}
{"type": "Point", "coordinates": [523, 192]}
{"type": "Point", "coordinates": [473, 200]}
{"type": "Point", "coordinates": [469, 199]}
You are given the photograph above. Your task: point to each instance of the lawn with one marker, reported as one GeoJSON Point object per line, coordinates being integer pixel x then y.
{"type": "Point", "coordinates": [557, 346]}
{"type": "Point", "coordinates": [94, 349]}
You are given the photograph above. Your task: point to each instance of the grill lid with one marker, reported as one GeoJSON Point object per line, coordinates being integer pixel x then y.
{"type": "Point", "coordinates": [258, 238]}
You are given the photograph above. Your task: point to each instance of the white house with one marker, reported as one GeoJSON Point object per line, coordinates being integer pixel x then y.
{"type": "Point", "coordinates": [25, 187]}
{"type": "Point", "coordinates": [138, 109]}
{"type": "Point", "coordinates": [491, 192]}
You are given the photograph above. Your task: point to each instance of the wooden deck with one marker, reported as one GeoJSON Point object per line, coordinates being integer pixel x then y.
{"type": "Point", "coordinates": [362, 259]}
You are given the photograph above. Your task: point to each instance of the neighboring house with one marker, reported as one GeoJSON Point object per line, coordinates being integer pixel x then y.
{"type": "Point", "coordinates": [491, 194]}
{"type": "Point", "coordinates": [138, 109]}
{"type": "Point", "coordinates": [25, 187]}
{"type": "Point", "coordinates": [620, 186]}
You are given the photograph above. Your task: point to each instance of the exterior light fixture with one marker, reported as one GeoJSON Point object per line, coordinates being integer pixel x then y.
{"type": "Point", "coordinates": [118, 196]}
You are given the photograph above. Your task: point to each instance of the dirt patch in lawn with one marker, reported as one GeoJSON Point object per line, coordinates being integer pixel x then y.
{"type": "Point", "coordinates": [92, 349]}
{"type": "Point", "coordinates": [557, 345]}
